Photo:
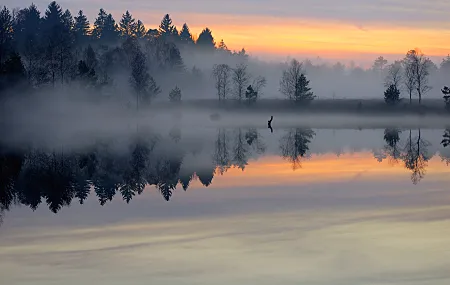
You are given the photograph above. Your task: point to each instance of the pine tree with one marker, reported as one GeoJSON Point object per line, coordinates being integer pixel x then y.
{"type": "Point", "coordinates": [53, 30]}
{"type": "Point", "coordinates": [67, 41]}
{"type": "Point", "coordinates": [140, 30]}
{"type": "Point", "coordinates": [105, 28]}
{"type": "Point", "coordinates": [110, 31]}
{"type": "Point", "coordinates": [81, 28]}
{"type": "Point", "coordinates": [143, 84]}
{"type": "Point", "coordinates": [175, 35]}
{"type": "Point", "coordinates": [392, 95]}
{"type": "Point", "coordinates": [68, 21]}
{"type": "Point", "coordinates": [206, 39]}
{"type": "Point", "coordinates": [302, 90]}
{"type": "Point", "coordinates": [99, 24]}
{"type": "Point", "coordinates": [166, 28]}
{"type": "Point", "coordinates": [6, 33]}
{"type": "Point", "coordinates": [185, 35]}
{"type": "Point", "coordinates": [293, 83]}
{"type": "Point", "coordinates": [222, 46]}
{"type": "Point", "coordinates": [53, 17]}
{"type": "Point", "coordinates": [28, 38]}
{"type": "Point", "coordinates": [175, 60]}
{"type": "Point", "coordinates": [127, 25]}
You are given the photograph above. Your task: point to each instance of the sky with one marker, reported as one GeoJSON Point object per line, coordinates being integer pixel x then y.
{"type": "Point", "coordinates": [348, 29]}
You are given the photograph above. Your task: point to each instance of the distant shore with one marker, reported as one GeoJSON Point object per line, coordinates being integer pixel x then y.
{"type": "Point", "coordinates": [321, 106]}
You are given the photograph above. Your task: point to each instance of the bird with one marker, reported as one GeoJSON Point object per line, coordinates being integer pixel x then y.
{"type": "Point", "coordinates": [269, 124]}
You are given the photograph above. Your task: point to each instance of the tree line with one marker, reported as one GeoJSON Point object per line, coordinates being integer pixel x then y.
{"type": "Point", "coordinates": [58, 49]}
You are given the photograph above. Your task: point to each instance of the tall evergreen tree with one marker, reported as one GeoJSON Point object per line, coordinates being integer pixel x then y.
{"type": "Point", "coordinates": [53, 29]}
{"type": "Point", "coordinates": [81, 28]}
{"type": "Point", "coordinates": [68, 21]}
{"type": "Point", "coordinates": [53, 18]}
{"type": "Point", "coordinates": [127, 25]}
{"type": "Point", "coordinates": [206, 39]}
{"type": "Point", "coordinates": [185, 35]}
{"type": "Point", "coordinates": [99, 24]}
{"type": "Point", "coordinates": [302, 90]}
{"type": "Point", "coordinates": [28, 34]}
{"type": "Point", "coordinates": [175, 34]}
{"type": "Point", "coordinates": [105, 28]}
{"type": "Point", "coordinates": [65, 53]}
{"type": "Point", "coordinates": [140, 30]}
{"type": "Point", "coordinates": [166, 28]}
{"type": "Point", "coordinates": [6, 33]}
{"type": "Point", "coordinates": [175, 60]}
{"type": "Point", "coordinates": [110, 30]}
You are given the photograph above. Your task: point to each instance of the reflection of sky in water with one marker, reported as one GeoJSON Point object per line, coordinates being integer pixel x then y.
{"type": "Point", "coordinates": [346, 220]}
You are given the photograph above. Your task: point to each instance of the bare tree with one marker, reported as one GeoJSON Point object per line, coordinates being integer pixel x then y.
{"type": "Point", "coordinates": [394, 75]}
{"type": "Point", "coordinates": [420, 68]}
{"type": "Point", "coordinates": [416, 157]}
{"type": "Point", "coordinates": [259, 83]}
{"type": "Point", "coordinates": [241, 79]}
{"type": "Point", "coordinates": [409, 80]}
{"type": "Point", "coordinates": [290, 78]}
{"type": "Point", "coordinates": [221, 155]}
{"type": "Point", "coordinates": [221, 74]}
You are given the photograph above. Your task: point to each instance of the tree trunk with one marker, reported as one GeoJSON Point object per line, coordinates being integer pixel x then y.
{"type": "Point", "coordinates": [410, 97]}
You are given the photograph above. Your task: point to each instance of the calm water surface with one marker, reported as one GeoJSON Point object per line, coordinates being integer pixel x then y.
{"type": "Point", "coordinates": [230, 206]}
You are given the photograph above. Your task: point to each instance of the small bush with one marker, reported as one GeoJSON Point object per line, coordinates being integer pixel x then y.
{"type": "Point", "coordinates": [392, 95]}
{"type": "Point", "coordinates": [175, 95]}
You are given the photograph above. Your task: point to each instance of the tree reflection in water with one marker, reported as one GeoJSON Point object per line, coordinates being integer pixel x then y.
{"type": "Point", "coordinates": [58, 177]}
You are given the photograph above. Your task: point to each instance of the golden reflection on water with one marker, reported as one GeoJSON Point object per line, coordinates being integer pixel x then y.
{"type": "Point", "coordinates": [271, 170]}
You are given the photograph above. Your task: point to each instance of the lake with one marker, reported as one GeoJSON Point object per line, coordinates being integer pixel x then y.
{"type": "Point", "coordinates": [228, 205]}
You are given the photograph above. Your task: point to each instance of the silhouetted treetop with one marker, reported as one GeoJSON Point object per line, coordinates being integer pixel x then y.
{"type": "Point", "coordinates": [6, 34]}
{"type": "Point", "coordinates": [81, 28]}
{"type": "Point", "coordinates": [185, 35]}
{"type": "Point", "coordinates": [140, 31]}
{"type": "Point", "coordinates": [127, 25]}
{"type": "Point", "coordinates": [165, 27]}
{"type": "Point", "coordinates": [206, 39]}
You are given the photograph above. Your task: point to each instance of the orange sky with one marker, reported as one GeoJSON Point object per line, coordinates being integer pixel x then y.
{"type": "Point", "coordinates": [320, 168]}
{"type": "Point", "coordinates": [344, 30]}
{"type": "Point", "coordinates": [330, 39]}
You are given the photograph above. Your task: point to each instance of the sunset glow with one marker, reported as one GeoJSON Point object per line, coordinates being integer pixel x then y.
{"type": "Point", "coordinates": [329, 39]}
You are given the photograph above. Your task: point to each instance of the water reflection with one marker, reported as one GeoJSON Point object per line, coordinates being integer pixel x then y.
{"type": "Point", "coordinates": [59, 176]}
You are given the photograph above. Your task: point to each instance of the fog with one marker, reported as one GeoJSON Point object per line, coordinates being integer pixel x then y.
{"type": "Point", "coordinates": [328, 79]}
